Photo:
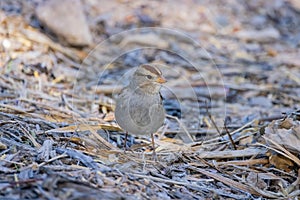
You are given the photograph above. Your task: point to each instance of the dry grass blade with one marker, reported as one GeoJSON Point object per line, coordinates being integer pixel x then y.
{"type": "Point", "coordinates": [64, 112]}
{"type": "Point", "coordinates": [182, 126]}
{"type": "Point", "coordinates": [13, 108]}
{"type": "Point", "coordinates": [52, 159]}
{"type": "Point", "coordinates": [232, 153]}
{"type": "Point", "coordinates": [102, 141]}
{"type": "Point", "coordinates": [30, 136]}
{"type": "Point", "coordinates": [92, 128]}
{"type": "Point", "coordinates": [233, 183]}
{"type": "Point", "coordinates": [244, 162]}
{"type": "Point", "coordinates": [86, 160]}
{"type": "Point", "coordinates": [220, 137]}
{"type": "Point", "coordinates": [191, 186]}
{"type": "Point", "coordinates": [283, 151]}
{"type": "Point", "coordinates": [40, 38]}
{"type": "Point", "coordinates": [84, 127]}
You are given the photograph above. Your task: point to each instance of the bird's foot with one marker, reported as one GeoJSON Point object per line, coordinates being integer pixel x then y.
{"type": "Point", "coordinates": [154, 156]}
{"type": "Point", "coordinates": [125, 142]}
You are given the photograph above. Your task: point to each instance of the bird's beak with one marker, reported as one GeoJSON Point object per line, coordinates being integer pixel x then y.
{"type": "Point", "coordinates": [161, 79]}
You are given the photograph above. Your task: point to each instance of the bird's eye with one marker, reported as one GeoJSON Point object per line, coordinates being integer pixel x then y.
{"type": "Point", "coordinates": [149, 77]}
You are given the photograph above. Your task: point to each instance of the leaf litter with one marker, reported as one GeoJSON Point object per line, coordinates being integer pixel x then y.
{"type": "Point", "coordinates": [59, 139]}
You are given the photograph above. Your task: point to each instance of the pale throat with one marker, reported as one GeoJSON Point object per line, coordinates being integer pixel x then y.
{"type": "Point", "coordinates": [149, 89]}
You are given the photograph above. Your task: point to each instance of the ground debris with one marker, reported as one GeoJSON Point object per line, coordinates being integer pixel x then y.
{"type": "Point", "coordinates": [232, 97]}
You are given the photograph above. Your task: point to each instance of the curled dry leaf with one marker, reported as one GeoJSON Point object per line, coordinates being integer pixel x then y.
{"type": "Point", "coordinates": [286, 132]}
{"type": "Point", "coordinates": [2, 146]}
{"type": "Point", "coordinates": [281, 162]}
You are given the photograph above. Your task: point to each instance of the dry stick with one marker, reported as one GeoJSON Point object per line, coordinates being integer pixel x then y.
{"type": "Point", "coordinates": [84, 127]}
{"type": "Point", "coordinates": [230, 138]}
{"type": "Point", "coordinates": [207, 143]}
{"type": "Point", "coordinates": [214, 124]}
{"type": "Point", "coordinates": [213, 121]}
{"type": "Point", "coordinates": [232, 153]}
{"type": "Point", "coordinates": [182, 126]}
{"type": "Point", "coordinates": [244, 162]}
{"type": "Point", "coordinates": [98, 137]}
{"type": "Point", "coordinates": [233, 132]}
{"type": "Point", "coordinates": [53, 159]}
{"type": "Point", "coordinates": [46, 106]}
{"type": "Point", "coordinates": [66, 101]}
{"type": "Point", "coordinates": [29, 136]}
{"type": "Point", "coordinates": [17, 109]}
{"type": "Point", "coordinates": [231, 182]}
{"type": "Point", "coordinates": [209, 164]}
{"type": "Point", "coordinates": [161, 180]}
{"type": "Point", "coordinates": [11, 162]}
{"type": "Point", "coordinates": [270, 118]}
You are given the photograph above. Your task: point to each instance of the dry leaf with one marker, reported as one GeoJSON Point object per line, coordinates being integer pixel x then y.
{"type": "Point", "coordinates": [285, 132]}
{"type": "Point", "coordinates": [281, 162]}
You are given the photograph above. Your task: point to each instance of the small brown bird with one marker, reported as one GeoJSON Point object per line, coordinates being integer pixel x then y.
{"type": "Point", "coordinates": [139, 108]}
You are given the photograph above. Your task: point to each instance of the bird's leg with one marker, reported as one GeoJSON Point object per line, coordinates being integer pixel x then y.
{"type": "Point", "coordinates": [153, 147]}
{"type": "Point", "coordinates": [125, 141]}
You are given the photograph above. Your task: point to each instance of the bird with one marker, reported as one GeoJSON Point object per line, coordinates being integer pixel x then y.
{"type": "Point", "coordinates": [139, 108]}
